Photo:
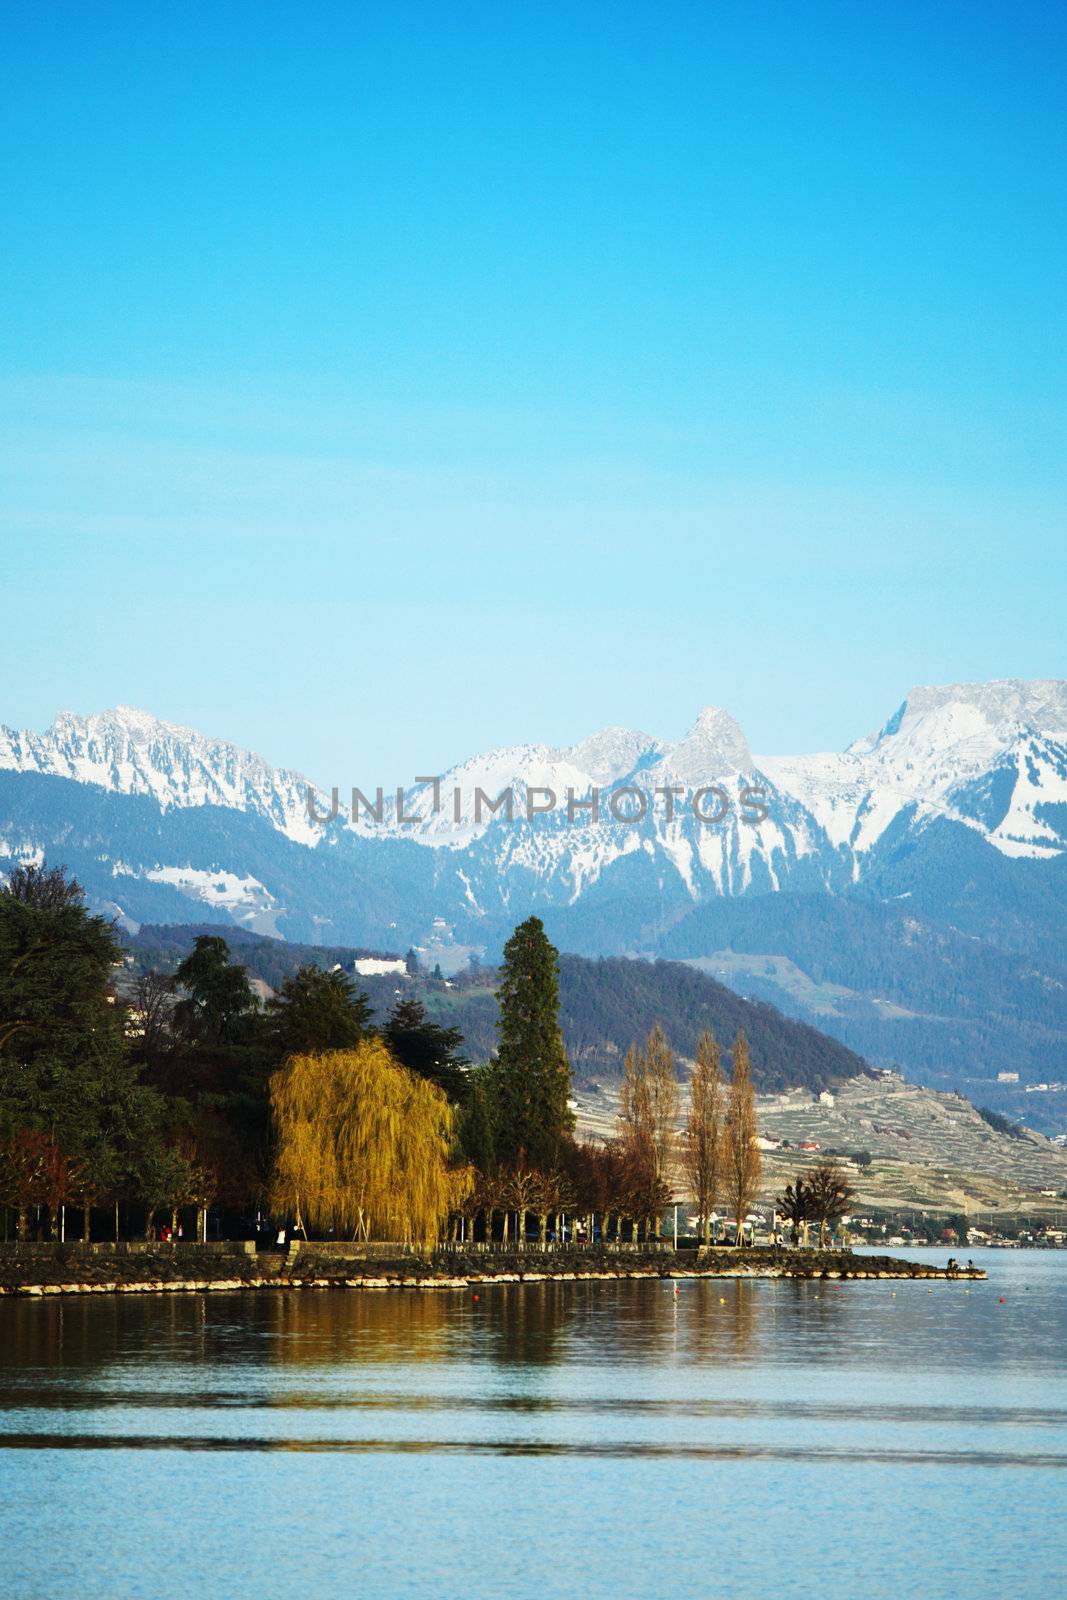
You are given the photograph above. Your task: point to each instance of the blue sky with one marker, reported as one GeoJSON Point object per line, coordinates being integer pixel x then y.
{"type": "Point", "coordinates": [380, 383]}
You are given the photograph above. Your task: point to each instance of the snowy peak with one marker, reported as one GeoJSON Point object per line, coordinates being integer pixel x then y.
{"type": "Point", "coordinates": [129, 751]}
{"type": "Point", "coordinates": [986, 715]}
{"type": "Point", "coordinates": [992, 757]}
{"type": "Point", "coordinates": [612, 754]}
{"type": "Point", "coordinates": [988, 755]}
{"type": "Point", "coordinates": [713, 748]}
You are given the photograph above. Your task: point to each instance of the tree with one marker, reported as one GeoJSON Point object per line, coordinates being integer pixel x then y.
{"type": "Point", "coordinates": [533, 1073]}
{"type": "Point", "coordinates": [648, 1116]}
{"type": "Point", "coordinates": [522, 1189]}
{"type": "Point", "coordinates": [55, 970]}
{"type": "Point", "coordinates": [219, 1005]}
{"type": "Point", "coordinates": [163, 1178]}
{"type": "Point", "coordinates": [795, 1207]}
{"type": "Point", "coordinates": [362, 1145]}
{"type": "Point", "coordinates": [643, 1194]}
{"type": "Point", "coordinates": [831, 1196]}
{"type": "Point", "coordinates": [476, 1124]}
{"type": "Point", "coordinates": [64, 1063]}
{"type": "Point", "coordinates": [316, 1010]}
{"type": "Point", "coordinates": [34, 1172]}
{"type": "Point", "coordinates": [148, 1018]}
{"type": "Point", "coordinates": [663, 1101]}
{"type": "Point", "coordinates": [45, 889]}
{"type": "Point", "coordinates": [554, 1194]}
{"type": "Point", "coordinates": [743, 1156]}
{"type": "Point", "coordinates": [428, 1049]}
{"type": "Point", "coordinates": [704, 1152]}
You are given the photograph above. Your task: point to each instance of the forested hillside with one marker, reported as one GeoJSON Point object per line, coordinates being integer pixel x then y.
{"type": "Point", "coordinates": [605, 1005]}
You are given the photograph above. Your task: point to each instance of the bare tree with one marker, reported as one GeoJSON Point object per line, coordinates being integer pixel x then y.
{"type": "Point", "coordinates": [703, 1153]}
{"type": "Point", "coordinates": [831, 1196]}
{"type": "Point", "coordinates": [743, 1156]}
{"type": "Point", "coordinates": [649, 1114]}
{"type": "Point", "coordinates": [148, 1017]}
{"type": "Point", "coordinates": [522, 1189]}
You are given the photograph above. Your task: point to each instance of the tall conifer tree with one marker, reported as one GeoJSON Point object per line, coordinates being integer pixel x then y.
{"type": "Point", "coordinates": [533, 1072]}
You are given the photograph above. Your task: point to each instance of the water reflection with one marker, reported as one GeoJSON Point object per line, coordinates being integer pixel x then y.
{"type": "Point", "coordinates": [314, 1412]}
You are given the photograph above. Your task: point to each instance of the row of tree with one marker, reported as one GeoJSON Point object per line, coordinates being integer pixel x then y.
{"type": "Point", "coordinates": [128, 1102]}
{"type": "Point", "coordinates": [185, 1091]}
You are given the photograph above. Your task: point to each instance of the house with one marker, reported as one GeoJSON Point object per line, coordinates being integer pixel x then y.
{"type": "Point", "coordinates": [375, 966]}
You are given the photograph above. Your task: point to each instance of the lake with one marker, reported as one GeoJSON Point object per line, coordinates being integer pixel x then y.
{"type": "Point", "coordinates": [743, 1439]}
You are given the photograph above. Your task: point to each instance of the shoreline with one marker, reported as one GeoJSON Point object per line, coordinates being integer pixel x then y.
{"type": "Point", "coordinates": [37, 1276]}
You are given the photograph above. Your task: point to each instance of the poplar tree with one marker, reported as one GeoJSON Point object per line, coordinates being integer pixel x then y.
{"type": "Point", "coordinates": [704, 1144]}
{"type": "Point", "coordinates": [743, 1156]}
{"type": "Point", "coordinates": [647, 1117]}
{"type": "Point", "coordinates": [533, 1073]}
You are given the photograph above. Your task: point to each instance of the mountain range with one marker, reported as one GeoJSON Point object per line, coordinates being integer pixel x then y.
{"type": "Point", "coordinates": [908, 894]}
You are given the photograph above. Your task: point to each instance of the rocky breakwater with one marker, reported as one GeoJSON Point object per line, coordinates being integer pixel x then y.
{"type": "Point", "coordinates": [73, 1270]}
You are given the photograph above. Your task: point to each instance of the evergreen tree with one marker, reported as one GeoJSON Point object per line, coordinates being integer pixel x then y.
{"type": "Point", "coordinates": [220, 1006]}
{"type": "Point", "coordinates": [317, 1010]}
{"type": "Point", "coordinates": [794, 1206]}
{"type": "Point", "coordinates": [533, 1073]}
{"type": "Point", "coordinates": [476, 1130]}
{"type": "Point", "coordinates": [64, 1065]}
{"type": "Point", "coordinates": [427, 1048]}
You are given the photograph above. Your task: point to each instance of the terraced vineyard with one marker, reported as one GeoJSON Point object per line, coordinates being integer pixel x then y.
{"type": "Point", "coordinates": [929, 1151]}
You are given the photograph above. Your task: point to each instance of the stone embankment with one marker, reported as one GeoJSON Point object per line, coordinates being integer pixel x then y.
{"type": "Point", "coordinates": [73, 1269]}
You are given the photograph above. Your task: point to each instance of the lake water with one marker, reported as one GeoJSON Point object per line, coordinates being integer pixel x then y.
{"type": "Point", "coordinates": [738, 1439]}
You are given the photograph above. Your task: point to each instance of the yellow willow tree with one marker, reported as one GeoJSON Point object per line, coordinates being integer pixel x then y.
{"type": "Point", "coordinates": [362, 1146]}
{"type": "Point", "coordinates": [704, 1142]}
{"type": "Point", "coordinates": [743, 1163]}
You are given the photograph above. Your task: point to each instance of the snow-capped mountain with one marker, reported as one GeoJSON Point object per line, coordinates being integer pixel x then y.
{"type": "Point", "coordinates": [990, 756]}
{"type": "Point", "coordinates": [127, 751]}
{"type": "Point", "coordinates": [908, 894]}
{"type": "Point", "coordinates": [624, 831]}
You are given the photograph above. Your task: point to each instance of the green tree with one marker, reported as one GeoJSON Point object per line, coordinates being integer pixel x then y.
{"type": "Point", "coordinates": [317, 1010]}
{"type": "Point", "coordinates": [533, 1070]}
{"type": "Point", "coordinates": [219, 1007]}
{"type": "Point", "coordinates": [64, 1065]}
{"type": "Point", "coordinates": [476, 1128]}
{"type": "Point", "coordinates": [163, 1178]}
{"type": "Point", "coordinates": [427, 1048]}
